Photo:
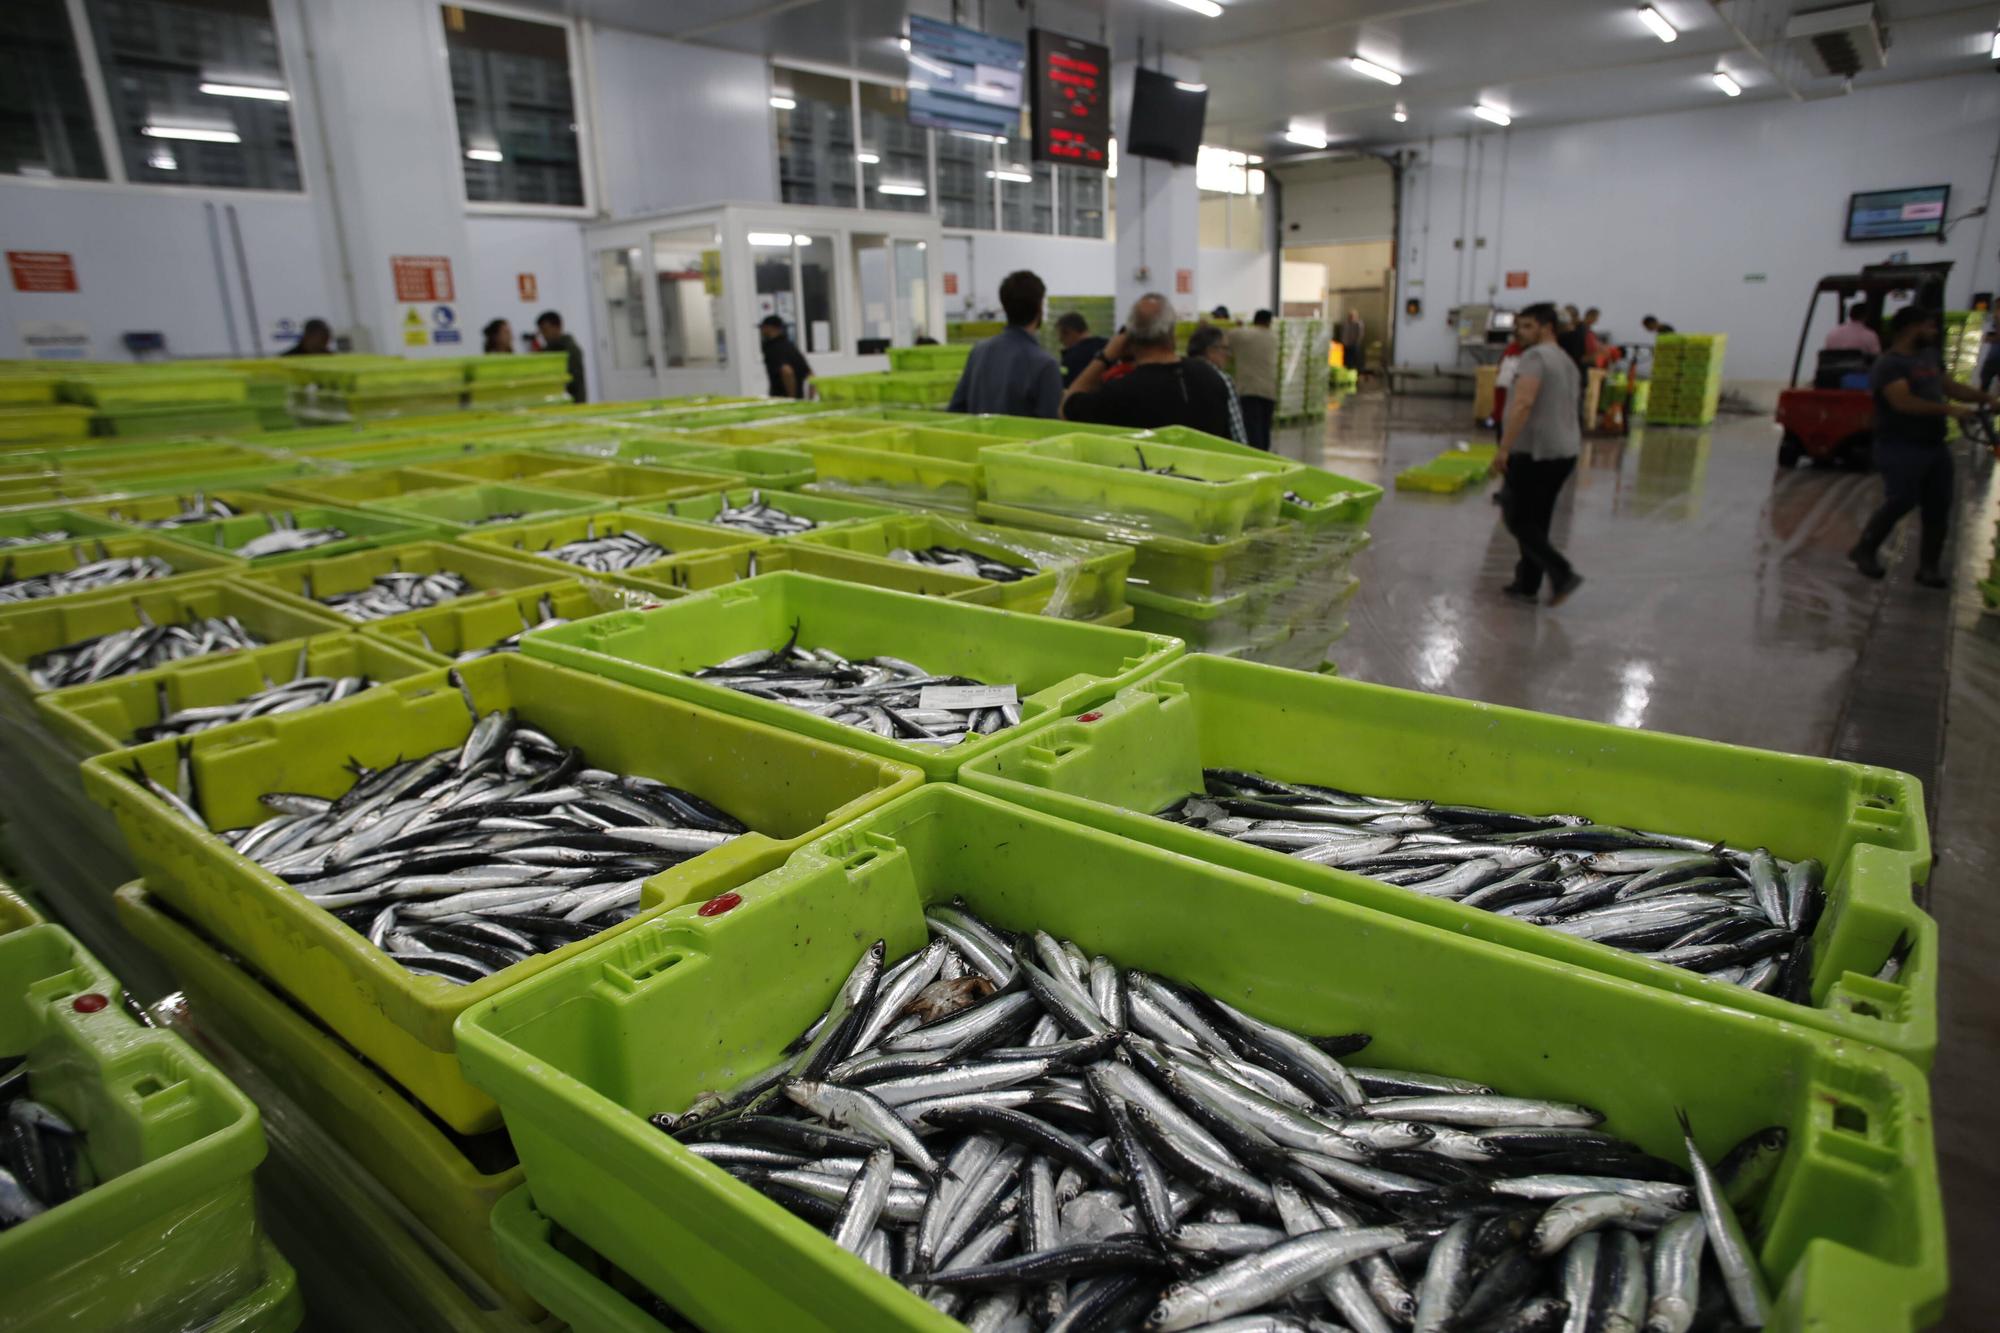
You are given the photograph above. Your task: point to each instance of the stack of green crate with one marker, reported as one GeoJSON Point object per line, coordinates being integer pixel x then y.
{"type": "Point", "coordinates": [270, 390]}
{"type": "Point", "coordinates": [1302, 345]}
{"type": "Point", "coordinates": [906, 388]}
{"type": "Point", "coordinates": [931, 356]}
{"type": "Point", "coordinates": [1687, 379]}
{"type": "Point", "coordinates": [533, 379]}
{"type": "Point", "coordinates": [971, 330]}
{"type": "Point", "coordinates": [1964, 334]}
{"type": "Point", "coordinates": [174, 399]}
{"type": "Point", "coordinates": [358, 387]}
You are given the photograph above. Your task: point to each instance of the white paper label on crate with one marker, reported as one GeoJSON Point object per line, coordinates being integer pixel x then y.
{"type": "Point", "coordinates": [961, 698]}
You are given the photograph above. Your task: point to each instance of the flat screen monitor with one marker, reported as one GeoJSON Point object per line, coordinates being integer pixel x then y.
{"type": "Point", "coordinates": [1070, 94]}
{"type": "Point", "coordinates": [1898, 215]}
{"type": "Point", "coordinates": [965, 80]}
{"type": "Point", "coordinates": [1167, 117]}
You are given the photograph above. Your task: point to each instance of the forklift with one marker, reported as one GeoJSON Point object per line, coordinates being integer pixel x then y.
{"type": "Point", "coordinates": [1834, 421]}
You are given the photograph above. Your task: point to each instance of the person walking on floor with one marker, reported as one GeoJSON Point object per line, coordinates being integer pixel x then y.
{"type": "Point", "coordinates": [1537, 452]}
{"type": "Point", "coordinates": [1255, 349]}
{"type": "Point", "coordinates": [1010, 373]}
{"type": "Point", "coordinates": [1352, 331]}
{"type": "Point", "coordinates": [1913, 400]}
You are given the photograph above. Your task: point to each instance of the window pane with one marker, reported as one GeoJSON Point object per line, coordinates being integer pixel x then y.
{"type": "Point", "coordinates": [625, 308]}
{"type": "Point", "coordinates": [45, 121]}
{"type": "Point", "coordinates": [815, 139]}
{"type": "Point", "coordinates": [1083, 201]}
{"type": "Point", "coordinates": [816, 294]}
{"type": "Point", "coordinates": [197, 92]}
{"type": "Point", "coordinates": [687, 264]}
{"type": "Point", "coordinates": [913, 289]}
{"type": "Point", "coordinates": [900, 148]}
{"type": "Point", "coordinates": [965, 191]}
{"type": "Point", "coordinates": [1027, 205]}
{"type": "Point", "coordinates": [510, 85]}
{"type": "Point", "coordinates": [872, 285]}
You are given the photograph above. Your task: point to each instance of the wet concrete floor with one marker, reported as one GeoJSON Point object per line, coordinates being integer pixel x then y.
{"type": "Point", "coordinates": [1718, 603]}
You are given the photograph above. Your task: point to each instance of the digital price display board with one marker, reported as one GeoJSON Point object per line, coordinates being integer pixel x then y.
{"type": "Point", "coordinates": [1898, 215]}
{"type": "Point", "coordinates": [964, 80]}
{"type": "Point", "coordinates": [1071, 99]}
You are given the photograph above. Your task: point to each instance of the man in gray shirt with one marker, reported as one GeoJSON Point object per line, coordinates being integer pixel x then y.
{"type": "Point", "coordinates": [1537, 453]}
{"type": "Point", "coordinates": [1010, 373]}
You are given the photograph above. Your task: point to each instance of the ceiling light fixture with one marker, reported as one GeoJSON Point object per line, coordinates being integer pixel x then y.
{"type": "Point", "coordinates": [1657, 21]}
{"type": "Point", "coordinates": [903, 42]}
{"type": "Point", "coordinates": [193, 136]}
{"type": "Point", "coordinates": [485, 155]}
{"type": "Point", "coordinates": [1190, 87]}
{"type": "Point", "coordinates": [162, 160]}
{"type": "Point", "coordinates": [246, 90]}
{"type": "Point", "coordinates": [783, 103]}
{"type": "Point", "coordinates": [1493, 114]}
{"type": "Point", "coordinates": [1375, 71]}
{"type": "Point", "coordinates": [1208, 9]}
{"type": "Point", "coordinates": [1729, 86]}
{"type": "Point", "coordinates": [1401, 115]}
{"type": "Point", "coordinates": [770, 238]}
{"type": "Point", "coordinates": [1305, 138]}
{"type": "Point", "coordinates": [868, 159]}
{"type": "Point", "coordinates": [908, 189]}
{"type": "Point", "coordinates": [1012, 175]}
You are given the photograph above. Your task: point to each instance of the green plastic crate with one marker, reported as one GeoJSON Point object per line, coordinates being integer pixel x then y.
{"type": "Point", "coordinates": [1075, 579]}
{"type": "Point", "coordinates": [938, 469]}
{"type": "Point", "coordinates": [501, 465]}
{"type": "Point", "coordinates": [469, 508]}
{"type": "Point", "coordinates": [41, 491]}
{"type": "Point", "coordinates": [1325, 498]}
{"type": "Point", "coordinates": [109, 714]}
{"type": "Point", "coordinates": [275, 1306]}
{"type": "Point", "coordinates": [16, 913]}
{"type": "Point", "coordinates": [826, 512]}
{"type": "Point", "coordinates": [1031, 428]}
{"type": "Point", "coordinates": [401, 451]}
{"type": "Point", "coordinates": [135, 511]}
{"type": "Point", "coordinates": [364, 529]}
{"type": "Point", "coordinates": [1851, 1234]}
{"type": "Point", "coordinates": [48, 421]}
{"type": "Point", "coordinates": [77, 522]}
{"type": "Point", "coordinates": [385, 1132]}
{"type": "Point", "coordinates": [361, 490]}
{"type": "Point", "coordinates": [27, 562]}
{"type": "Point", "coordinates": [28, 631]}
{"type": "Point", "coordinates": [1098, 477]}
{"type": "Point", "coordinates": [467, 625]}
{"type": "Point", "coordinates": [112, 462]}
{"type": "Point", "coordinates": [832, 563]}
{"type": "Point", "coordinates": [930, 356]}
{"type": "Point", "coordinates": [172, 1142]}
{"type": "Point", "coordinates": [178, 481]}
{"type": "Point", "coordinates": [785, 787]}
{"type": "Point", "coordinates": [187, 419]}
{"type": "Point", "coordinates": [530, 541]}
{"type": "Point", "coordinates": [632, 483]}
{"type": "Point", "coordinates": [1199, 571]}
{"type": "Point", "coordinates": [309, 582]}
{"type": "Point", "coordinates": [721, 436]}
{"type": "Point", "coordinates": [560, 1278]}
{"type": "Point", "coordinates": [1055, 665]}
{"type": "Point", "coordinates": [154, 386]}
{"type": "Point", "coordinates": [765, 464]}
{"type": "Point", "coordinates": [520, 367]}
{"type": "Point", "coordinates": [1146, 749]}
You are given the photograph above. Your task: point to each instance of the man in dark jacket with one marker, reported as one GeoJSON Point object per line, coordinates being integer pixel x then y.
{"type": "Point", "coordinates": [550, 326]}
{"type": "Point", "coordinates": [1009, 373]}
{"type": "Point", "coordinates": [783, 361]}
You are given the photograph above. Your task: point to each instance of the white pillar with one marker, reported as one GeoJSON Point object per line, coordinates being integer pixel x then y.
{"type": "Point", "coordinates": [1159, 212]}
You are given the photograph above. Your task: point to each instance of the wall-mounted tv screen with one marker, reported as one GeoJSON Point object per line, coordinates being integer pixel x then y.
{"type": "Point", "coordinates": [1898, 215]}
{"type": "Point", "coordinates": [965, 80]}
{"type": "Point", "coordinates": [1167, 117]}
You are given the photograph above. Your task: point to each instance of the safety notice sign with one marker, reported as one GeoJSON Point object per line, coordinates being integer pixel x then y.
{"type": "Point", "coordinates": [422, 278]}
{"type": "Point", "coordinates": [42, 270]}
{"type": "Point", "coordinates": [1517, 277]}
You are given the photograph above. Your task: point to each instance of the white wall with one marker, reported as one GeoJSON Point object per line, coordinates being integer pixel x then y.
{"type": "Point", "coordinates": [1325, 203]}
{"type": "Point", "coordinates": [1067, 265]}
{"type": "Point", "coordinates": [680, 125]}
{"type": "Point", "coordinates": [1667, 214]}
{"type": "Point", "coordinates": [1239, 279]}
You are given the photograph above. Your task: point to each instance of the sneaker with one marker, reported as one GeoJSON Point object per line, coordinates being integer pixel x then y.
{"type": "Point", "coordinates": [1564, 587]}
{"type": "Point", "coordinates": [1930, 578]}
{"type": "Point", "coordinates": [1865, 561]}
{"type": "Point", "coordinates": [1517, 593]}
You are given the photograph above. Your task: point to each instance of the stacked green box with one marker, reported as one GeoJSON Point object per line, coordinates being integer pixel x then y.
{"type": "Point", "coordinates": [578, 1285]}
{"type": "Point", "coordinates": [930, 356]}
{"type": "Point", "coordinates": [924, 466]}
{"type": "Point", "coordinates": [1964, 340]}
{"type": "Point", "coordinates": [37, 422]}
{"type": "Point", "coordinates": [1686, 387]}
{"type": "Point", "coordinates": [362, 387]}
{"type": "Point", "coordinates": [971, 330]}
{"type": "Point", "coordinates": [529, 379]}
{"type": "Point", "coordinates": [1302, 350]}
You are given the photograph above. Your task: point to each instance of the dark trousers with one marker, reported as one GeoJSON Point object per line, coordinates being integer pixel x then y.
{"type": "Point", "coordinates": [1913, 476]}
{"type": "Point", "coordinates": [1257, 414]}
{"type": "Point", "coordinates": [1528, 504]}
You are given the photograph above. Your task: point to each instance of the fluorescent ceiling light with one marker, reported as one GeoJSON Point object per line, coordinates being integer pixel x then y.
{"type": "Point", "coordinates": [1657, 21]}
{"type": "Point", "coordinates": [909, 189]}
{"type": "Point", "coordinates": [1492, 113]}
{"type": "Point", "coordinates": [1305, 138]}
{"type": "Point", "coordinates": [776, 238]}
{"type": "Point", "coordinates": [903, 42]}
{"type": "Point", "coordinates": [1401, 115]}
{"type": "Point", "coordinates": [162, 160]}
{"type": "Point", "coordinates": [1252, 159]}
{"type": "Point", "coordinates": [1729, 86]}
{"type": "Point", "coordinates": [930, 66]}
{"type": "Point", "coordinates": [193, 136]}
{"type": "Point", "coordinates": [783, 103]}
{"type": "Point", "coordinates": [246, 90]}
{"type": "Point", "coordinates": [485, 155]}
{"type": "Point", "coordinates": [1013, 175]}
{"type": "Point", "coordinates": [868, 159]}
{"type": "Point", "coordinates": [1374, 71]}
{"type": "Point", "coordinates": [1208, 9]}
{"type": "Point", "coordinates": [1190, 87]}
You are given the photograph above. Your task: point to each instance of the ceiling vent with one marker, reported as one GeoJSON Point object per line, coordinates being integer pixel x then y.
{"type": "Point", "coordinates": [1839, 42]}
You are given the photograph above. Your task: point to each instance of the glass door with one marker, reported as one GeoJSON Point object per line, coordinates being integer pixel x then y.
{"type": "Point", "coordinates": [624, 347]}
{"type": "Point", "coordinates": [694, 320]}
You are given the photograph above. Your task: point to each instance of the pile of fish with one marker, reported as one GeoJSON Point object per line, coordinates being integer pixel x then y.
{"type": "Point", "coordinates": [878, 694]}
{"type": "Point", "coordinates": [959, 560]}
{"type": "Point", "coordinates": [510, 644]}
{"type": "Point", "coordinates": [514, 517]}
{"type": "Point", "coordinates": [105, 573]}
{"type": "Point", "coordinates": [476, 857]}
{"type": "Point", "coordinates": [291, 697]}
{"type": "Point", "coordinates": [1169, 470]}
{"type": "Point", "coordinates": [140, 648]}
{"type": "Point", "coordinates": [610, 553]}
{"type": "Point", "coordinates": [762, 517]}
{"type": "Point", "coordinates": [41, 1153]}
{"type": "Point", "coordinates": [196, 508]}
{"type": "Point", "coordinates": [1031, 1138]}
{"type": "Point", "coordinates": [396, 592]}
{"type": "Point", "coordinates": [287, 537]}
{"type": "Point", "coordinates": [1737, 916]}
{"type": "Point", "coordinates": [36, 538]}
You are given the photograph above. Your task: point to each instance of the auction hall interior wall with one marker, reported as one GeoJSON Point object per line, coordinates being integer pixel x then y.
{"type": "Point", "coordinates": [1676, 214]}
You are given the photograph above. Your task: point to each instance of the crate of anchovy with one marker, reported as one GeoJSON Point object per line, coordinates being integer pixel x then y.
{"type": "Point", "coordinates": [128, 1199]}
{"type": "Point", "coordinates": [654, 801]}
{"type": "Point", "coordinates": [477, 627]}
{"type": "Point", "coordinates": [161, 511]}
{"type": "Point", "coordinates": [931, 682]}
{"type": "Point", "coordinates": [450, 1184]}
{"type": "Point", "coordinates": [915, 465]}
{"type": "Point", "coordinates": [698, 571]}
{"type": "Point", "coordinates": [99, 564]}
{"type": "Point", "coordinates": [1778, 885]}
{"type": "Point", "coordinates": [203, 693]}
{"type": "Point", "coordinates": [775, 515]}
{"type": "Point", "coordinates": [1148, 488]}
{"type": "Point", "coordinates": [38, 527]}
{"type": "Point", "coordinates": [388, 582]}
{"type": "Point", "coordinates": [638, 483]}
{"type": "Point", "coordinates": [101, 636]}
{"type": "Point", "coordinates": [361, 489]}
{"type": "Point", "coordinates": [1214, 1097]}
{"type": "Point", "coordinates": [466, 508]}
{"type": "Point", "coordinates": [618, 545]}
{"type": "Point", "coordinates": [503, 465]}
{"type": "Point", "coordinates": [304, 532]}
{"type": "Point", "coordinates": [1040, 573]}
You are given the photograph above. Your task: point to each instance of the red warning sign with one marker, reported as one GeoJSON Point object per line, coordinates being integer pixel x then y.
{"type": "Point", "coordinates": [42, 270]}
{"type": "Point", "coordinates": [1517, 277]}
{"type": "Point", "coordinates": [1183, 281]}
{"type": "Point", "coordinates": [422, 279]}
